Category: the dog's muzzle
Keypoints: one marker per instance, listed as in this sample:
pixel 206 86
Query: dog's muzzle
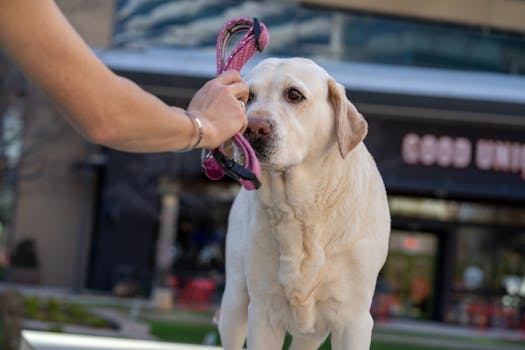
pixel 260 134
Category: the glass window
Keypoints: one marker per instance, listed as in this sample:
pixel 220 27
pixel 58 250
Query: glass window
pixel 406 283
pixel 296 30
pixel 456 211
pixel 488 283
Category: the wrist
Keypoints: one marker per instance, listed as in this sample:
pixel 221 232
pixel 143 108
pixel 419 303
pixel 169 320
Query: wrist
pixel 198 131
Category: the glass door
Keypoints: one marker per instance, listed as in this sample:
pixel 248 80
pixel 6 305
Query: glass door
pixel 406 284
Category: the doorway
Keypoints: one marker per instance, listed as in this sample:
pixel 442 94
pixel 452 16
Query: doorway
pixel 407 285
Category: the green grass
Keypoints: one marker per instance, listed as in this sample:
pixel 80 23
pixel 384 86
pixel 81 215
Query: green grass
pixel 195 334
pixel 181 332
pixel 59 312
pixel 2 341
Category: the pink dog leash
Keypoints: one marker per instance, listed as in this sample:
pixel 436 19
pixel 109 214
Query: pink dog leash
pixel 215 162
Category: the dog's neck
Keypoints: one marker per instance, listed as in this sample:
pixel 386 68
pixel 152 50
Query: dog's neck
pixel 311 187
pixel 305 199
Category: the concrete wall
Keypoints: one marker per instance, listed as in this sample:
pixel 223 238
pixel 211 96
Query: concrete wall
pixel 93 19
pixel 499 14
pixel 54 199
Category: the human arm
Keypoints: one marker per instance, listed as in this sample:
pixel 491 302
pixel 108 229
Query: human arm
pixel 105 108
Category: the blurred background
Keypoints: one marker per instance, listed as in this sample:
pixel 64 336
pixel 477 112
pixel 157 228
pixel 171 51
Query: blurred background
pixel 141 236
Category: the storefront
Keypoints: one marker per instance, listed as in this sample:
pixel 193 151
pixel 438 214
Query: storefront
pixel 453 159
pixel 457 198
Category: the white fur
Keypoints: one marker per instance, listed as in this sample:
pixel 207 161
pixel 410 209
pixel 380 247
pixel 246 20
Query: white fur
pixel 303 252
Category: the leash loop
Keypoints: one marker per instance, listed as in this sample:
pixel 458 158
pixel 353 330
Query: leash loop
pixel 215 162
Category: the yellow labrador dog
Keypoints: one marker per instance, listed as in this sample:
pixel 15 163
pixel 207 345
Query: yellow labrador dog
pixel 303 252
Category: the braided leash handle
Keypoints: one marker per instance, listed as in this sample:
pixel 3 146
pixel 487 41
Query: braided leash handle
pixel 255 40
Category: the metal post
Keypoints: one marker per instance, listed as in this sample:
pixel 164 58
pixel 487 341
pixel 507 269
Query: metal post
pixel 162 295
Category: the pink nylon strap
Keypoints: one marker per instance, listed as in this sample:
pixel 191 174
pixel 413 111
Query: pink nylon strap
pixel 245 49
pixel 255 39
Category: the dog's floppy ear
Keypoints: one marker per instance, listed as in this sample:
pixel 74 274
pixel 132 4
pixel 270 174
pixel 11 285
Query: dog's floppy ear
pixel 350 126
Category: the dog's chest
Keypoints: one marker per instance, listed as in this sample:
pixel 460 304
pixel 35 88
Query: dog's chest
pixel 301 259
pixel 296 224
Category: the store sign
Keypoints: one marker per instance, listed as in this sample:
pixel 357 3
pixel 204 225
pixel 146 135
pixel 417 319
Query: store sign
pixel 463 161
pixel 459 152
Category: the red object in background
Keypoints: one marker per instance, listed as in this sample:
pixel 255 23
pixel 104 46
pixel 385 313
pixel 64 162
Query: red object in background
pixel 419 290
pixel 481 314
pixel 411 244
pixel 4 257
pixel 198 292
pixel 173 281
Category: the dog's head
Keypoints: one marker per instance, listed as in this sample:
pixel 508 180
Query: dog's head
pixel 297 111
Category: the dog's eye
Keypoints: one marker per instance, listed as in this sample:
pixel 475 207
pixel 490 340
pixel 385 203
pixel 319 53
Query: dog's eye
pixel 251 97
pixel 294 96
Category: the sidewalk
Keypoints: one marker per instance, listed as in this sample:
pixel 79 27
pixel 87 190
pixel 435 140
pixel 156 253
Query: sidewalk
pixel 440 335
pixel 437 328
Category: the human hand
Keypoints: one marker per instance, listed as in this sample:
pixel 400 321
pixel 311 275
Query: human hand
pixel 217 105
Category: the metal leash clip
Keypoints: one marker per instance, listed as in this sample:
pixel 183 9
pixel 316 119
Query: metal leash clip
pixel 234 169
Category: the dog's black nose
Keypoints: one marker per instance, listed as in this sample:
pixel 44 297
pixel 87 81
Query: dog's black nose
pixel 258 129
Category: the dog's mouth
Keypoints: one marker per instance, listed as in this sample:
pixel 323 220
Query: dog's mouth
pixel 262 148
pixel 266 152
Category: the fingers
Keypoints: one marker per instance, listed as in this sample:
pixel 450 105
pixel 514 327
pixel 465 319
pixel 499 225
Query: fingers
pixel 229 77
pixel 235 84
pixel 240 91
pixel 244 122
pixel 218 104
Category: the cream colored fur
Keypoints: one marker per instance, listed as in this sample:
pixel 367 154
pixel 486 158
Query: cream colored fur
pixel 303 252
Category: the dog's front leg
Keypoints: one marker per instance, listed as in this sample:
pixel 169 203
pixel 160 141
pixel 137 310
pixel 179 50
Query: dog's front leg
pixel 356 335
pixel 262 334
pixel 352 329
pixel 233 318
